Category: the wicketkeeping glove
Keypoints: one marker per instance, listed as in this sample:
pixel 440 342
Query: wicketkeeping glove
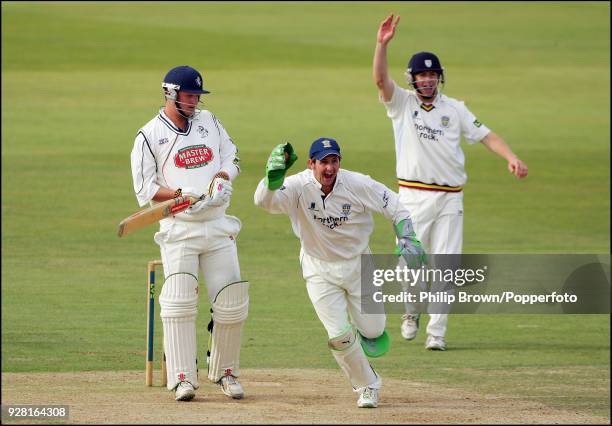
pixel 281 158
pixel 408 245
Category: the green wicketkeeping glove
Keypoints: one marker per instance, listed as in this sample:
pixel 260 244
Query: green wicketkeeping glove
pixel 281 158
pixel 408 245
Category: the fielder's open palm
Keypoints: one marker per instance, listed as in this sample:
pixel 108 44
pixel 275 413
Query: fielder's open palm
pixel 387 29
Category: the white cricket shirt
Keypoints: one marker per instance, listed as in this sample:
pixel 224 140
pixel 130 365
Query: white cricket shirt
pixel 165 156
pixel 427 140
pixel 336 227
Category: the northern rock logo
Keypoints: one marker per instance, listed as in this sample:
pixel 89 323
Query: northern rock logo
pixel 193 156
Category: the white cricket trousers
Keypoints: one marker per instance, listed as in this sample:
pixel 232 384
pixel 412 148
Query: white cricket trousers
pixel 207 247
pixel 334 289
pixel 437 218
pixel 188 248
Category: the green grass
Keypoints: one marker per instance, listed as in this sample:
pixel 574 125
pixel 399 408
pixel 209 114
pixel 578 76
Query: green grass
pixel 78 79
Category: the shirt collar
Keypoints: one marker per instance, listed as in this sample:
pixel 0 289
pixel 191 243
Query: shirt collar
pixel 170 123
pixel 435 102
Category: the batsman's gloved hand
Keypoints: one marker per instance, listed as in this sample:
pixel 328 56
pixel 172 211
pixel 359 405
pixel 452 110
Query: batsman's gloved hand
pixel 220 191
pixel 408 245
pixel 281 158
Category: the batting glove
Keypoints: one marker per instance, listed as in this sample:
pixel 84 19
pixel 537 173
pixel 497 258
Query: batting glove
pixel 220 191
pixel 281 158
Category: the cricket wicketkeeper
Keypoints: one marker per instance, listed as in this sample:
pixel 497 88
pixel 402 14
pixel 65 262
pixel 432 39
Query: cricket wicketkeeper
pixel 331 213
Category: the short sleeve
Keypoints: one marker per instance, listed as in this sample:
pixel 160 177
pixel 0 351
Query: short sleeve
pixel 396 103
pixel 472 130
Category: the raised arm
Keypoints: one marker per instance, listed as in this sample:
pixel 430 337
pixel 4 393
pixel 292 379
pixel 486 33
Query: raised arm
pixel 271 195
pixel 380 68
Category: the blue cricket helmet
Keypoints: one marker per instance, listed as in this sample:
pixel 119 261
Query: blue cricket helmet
pixel 183 79
pixel 424 61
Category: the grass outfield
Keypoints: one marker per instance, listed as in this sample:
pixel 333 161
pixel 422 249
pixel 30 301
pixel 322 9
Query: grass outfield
pixel 78 79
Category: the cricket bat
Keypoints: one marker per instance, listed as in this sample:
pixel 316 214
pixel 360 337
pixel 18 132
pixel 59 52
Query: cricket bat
pixel 154 214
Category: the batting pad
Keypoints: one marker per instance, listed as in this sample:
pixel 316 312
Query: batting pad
pixel 179 301
pixel 229 311
pixel 352 360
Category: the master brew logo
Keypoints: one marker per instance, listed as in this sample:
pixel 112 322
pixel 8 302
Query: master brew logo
pixel 193 157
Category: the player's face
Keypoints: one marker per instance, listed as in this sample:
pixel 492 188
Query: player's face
pixel 426 83
pixel 325 171
pixel 188 102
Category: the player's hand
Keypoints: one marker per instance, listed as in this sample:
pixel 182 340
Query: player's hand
pixel 412 251
pixel 219 192
pixel 518 168
pixel 387 30
pixel 408 245
pixel 280 160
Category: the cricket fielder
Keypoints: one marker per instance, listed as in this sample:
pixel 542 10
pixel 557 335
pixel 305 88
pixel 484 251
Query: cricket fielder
pixel 331 213
pixel 187 150
pixel 427 127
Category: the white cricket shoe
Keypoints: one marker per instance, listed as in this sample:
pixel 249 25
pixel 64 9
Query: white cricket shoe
pixel 184 392
pixel 410 326
pixel 435 343
pixel 368 398
pixel 231 387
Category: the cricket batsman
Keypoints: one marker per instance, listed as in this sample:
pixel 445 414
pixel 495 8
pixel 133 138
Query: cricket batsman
pixel 331 213
pixel 186 150
pixel 427 127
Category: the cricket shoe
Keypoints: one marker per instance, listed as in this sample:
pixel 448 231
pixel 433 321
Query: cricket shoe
pixel 435 343
pixel 368 398
pixel 184 392
pixel 410 326
pixel 231 387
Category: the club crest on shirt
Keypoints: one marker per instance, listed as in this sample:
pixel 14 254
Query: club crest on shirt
pixel 193 156
pixel 202 131
pixel 444 121
pixel 346 209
